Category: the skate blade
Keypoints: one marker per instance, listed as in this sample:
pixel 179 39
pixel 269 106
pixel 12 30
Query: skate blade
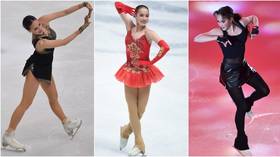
pixel 139 154
pixel 76 130
pixel 142 154
pixel 9 148
pixel 244 152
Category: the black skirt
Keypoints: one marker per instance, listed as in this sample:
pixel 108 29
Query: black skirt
pixel 40 65
pixel 234 74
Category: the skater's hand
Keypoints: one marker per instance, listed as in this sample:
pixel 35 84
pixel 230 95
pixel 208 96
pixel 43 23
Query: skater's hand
pixel 86 19
pixel 89 6
pixel 85 25
pixel 255 31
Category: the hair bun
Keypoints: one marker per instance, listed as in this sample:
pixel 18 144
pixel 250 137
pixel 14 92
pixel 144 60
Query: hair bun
pixel 27 21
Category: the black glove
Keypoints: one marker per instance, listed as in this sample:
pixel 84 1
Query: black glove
pixel 255 30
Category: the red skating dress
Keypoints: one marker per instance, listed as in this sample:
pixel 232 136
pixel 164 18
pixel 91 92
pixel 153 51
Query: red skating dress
pixel 131 73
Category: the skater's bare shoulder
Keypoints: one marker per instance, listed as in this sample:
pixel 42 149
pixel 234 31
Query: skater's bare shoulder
pixel 152 35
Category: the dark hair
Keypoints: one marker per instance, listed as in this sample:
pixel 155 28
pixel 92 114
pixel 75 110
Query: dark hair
pixel 27 21
pixel 139 7
pixel 227 12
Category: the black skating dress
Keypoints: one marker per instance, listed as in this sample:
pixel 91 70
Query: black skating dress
pixel 235 71
pixel 40 63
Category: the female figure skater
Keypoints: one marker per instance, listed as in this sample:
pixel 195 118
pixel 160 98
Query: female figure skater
pixel 139 71
pixel 38 71
pixel 231 36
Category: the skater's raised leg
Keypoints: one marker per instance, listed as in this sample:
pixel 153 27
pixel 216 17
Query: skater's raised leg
pixel 71 126
pixel 51 92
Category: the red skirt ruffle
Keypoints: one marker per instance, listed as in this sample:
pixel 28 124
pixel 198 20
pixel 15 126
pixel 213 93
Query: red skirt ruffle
pixel 138 77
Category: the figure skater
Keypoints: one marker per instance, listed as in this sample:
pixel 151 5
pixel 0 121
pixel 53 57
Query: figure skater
pixel 231 35
pixel 139 72
pixel 38 71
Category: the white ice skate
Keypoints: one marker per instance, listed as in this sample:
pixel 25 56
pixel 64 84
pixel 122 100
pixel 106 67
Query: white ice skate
pixel 250 114
pixel 8 139
pixel 123 141
pixel 135 151
pixel 246 152
pixel 71 127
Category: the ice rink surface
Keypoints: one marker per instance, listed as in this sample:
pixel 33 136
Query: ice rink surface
pixel 164 125
pixel 72 71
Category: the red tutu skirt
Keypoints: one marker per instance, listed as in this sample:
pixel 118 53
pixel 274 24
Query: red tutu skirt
pixel 138 77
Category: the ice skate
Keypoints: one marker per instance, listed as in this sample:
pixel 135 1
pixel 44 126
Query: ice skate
pixel 125 131
pixel 249 104
pixel 71 127
pixel 138 149
pixel 135 151
pixel 8 140
pixel 123 142
pixel 246 152
pixel 250 114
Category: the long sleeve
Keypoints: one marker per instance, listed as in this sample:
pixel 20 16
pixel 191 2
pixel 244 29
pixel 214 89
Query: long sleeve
pixel 163 50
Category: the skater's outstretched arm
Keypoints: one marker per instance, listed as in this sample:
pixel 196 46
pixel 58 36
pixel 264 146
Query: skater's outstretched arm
pixel 211 35
pixel 125 12
pixel 52 16
pixel 45 43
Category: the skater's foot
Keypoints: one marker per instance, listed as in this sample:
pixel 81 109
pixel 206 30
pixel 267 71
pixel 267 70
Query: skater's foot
pixel 250 114
pixel 138 149
pixel 249 104
pixel 125 131
pixel 8 139
pixel 123 140
pixel 246 152
pixel 135 151
pixel 71 127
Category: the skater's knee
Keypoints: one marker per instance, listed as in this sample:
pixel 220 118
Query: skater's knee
pixel 141 107
pixel 133 115
pixel 24 105
pixel 140 112
pixel 139 115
